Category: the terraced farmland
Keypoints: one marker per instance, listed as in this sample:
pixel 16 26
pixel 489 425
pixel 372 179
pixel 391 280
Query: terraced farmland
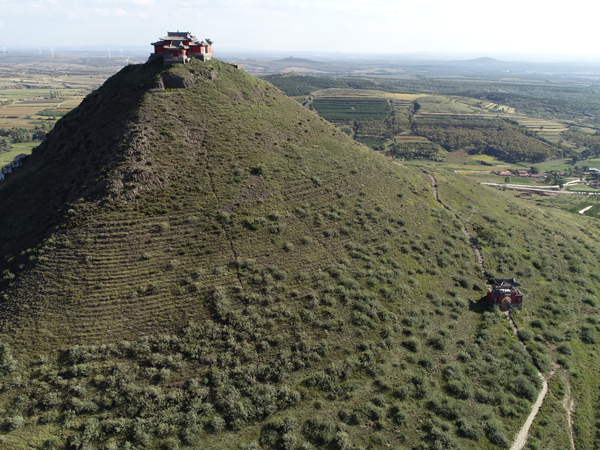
pixel 340 109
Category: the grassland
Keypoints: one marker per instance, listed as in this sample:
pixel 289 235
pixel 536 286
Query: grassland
pixel 218 267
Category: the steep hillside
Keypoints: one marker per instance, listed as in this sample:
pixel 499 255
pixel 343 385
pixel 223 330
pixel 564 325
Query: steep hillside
pixel 195 260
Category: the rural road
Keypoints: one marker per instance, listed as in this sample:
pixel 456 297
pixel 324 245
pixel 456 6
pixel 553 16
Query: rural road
pixel 538 190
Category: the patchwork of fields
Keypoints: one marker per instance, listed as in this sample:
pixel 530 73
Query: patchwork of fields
pixel 336 109
pixel 35 93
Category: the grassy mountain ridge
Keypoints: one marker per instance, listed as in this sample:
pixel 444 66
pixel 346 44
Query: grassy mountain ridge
pixel 228 270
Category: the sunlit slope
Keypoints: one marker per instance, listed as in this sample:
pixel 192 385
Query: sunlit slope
pixel 197 261
pixel 555 256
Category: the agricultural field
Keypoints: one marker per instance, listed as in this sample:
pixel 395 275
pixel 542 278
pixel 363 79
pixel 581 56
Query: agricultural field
pixel 410 139
pixel 436 104
pixel 36 93
pixel 365 93
pixel 18 149
pixel 498 108
pixel 340 109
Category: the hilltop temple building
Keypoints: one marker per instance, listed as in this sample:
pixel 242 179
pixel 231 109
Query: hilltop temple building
pixel 180 47
pixel 505 294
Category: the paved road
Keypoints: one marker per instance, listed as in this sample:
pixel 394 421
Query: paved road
pixel 516 188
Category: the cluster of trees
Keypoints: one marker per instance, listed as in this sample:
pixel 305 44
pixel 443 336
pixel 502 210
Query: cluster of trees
pixel 555 179
pixel 394 124
pixel 305 85
pixel 415 151
pixel 562 103
pixel 589 142
pixel 9 136
pixel 491 137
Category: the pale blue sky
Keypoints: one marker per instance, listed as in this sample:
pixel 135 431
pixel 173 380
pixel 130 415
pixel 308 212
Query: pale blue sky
pixel 381 26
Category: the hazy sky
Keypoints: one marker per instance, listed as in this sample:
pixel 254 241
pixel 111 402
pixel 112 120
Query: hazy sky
pixel 381 26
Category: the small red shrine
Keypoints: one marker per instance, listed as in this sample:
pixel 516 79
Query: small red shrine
pixel 505 294
pixel 180 47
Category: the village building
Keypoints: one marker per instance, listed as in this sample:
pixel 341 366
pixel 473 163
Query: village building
pixel 180 47
pixel 505 294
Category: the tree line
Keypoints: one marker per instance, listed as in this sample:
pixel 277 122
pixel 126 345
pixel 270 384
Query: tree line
pixel 9 136
pixel 483 136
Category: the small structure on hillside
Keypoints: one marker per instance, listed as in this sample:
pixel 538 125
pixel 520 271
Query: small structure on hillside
pixel 505 294
pixel 180 47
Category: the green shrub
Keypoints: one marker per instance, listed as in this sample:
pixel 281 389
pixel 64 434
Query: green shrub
pixel 330 233
pixel 342 441
pixel 538 323
pixel 588 335
pixel 565 349
pixel 12 423
pixel 526 335
pixel 524 387
pixel 288 441
pixel 215 425
pixel 468 430
pixel 494 432
pixel 412 344
pixel 460 388
pixel 553 335
pixel 541 361
pixel 464 282
pixel 260 169
pixel 319 431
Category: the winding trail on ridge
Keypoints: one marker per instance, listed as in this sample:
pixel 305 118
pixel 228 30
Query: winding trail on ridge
pixel 521 437
pixel 569 405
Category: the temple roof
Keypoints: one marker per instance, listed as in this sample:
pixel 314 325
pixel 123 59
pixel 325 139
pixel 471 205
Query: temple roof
pixel 507 282
pixel 177 45
pixel 177 38
pixel 179 34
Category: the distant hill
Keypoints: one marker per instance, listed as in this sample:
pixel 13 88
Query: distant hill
pixel 292 59
pixel 483 60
